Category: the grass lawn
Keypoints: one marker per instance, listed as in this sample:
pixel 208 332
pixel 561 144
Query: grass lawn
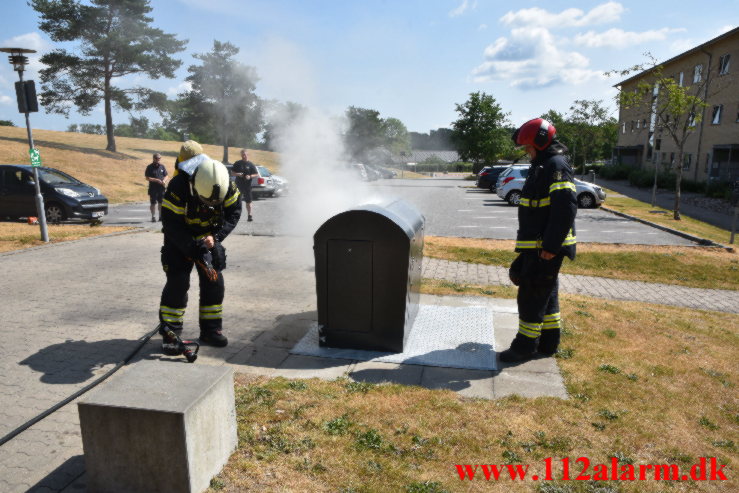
pixel 19 235
pixel 120 176
pixel 648 384
pixel 699 267
pixel 688 225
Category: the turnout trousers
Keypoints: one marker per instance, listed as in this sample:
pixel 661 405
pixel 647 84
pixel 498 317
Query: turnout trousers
pixel 174 295
pixel 538 301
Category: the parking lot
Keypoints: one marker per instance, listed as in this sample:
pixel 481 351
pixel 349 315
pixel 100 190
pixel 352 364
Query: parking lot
pixel 452 207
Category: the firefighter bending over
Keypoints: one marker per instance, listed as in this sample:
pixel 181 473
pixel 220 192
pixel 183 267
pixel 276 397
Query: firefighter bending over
pixel 546 234
pixel 201 207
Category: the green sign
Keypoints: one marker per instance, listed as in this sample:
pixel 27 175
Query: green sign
pixel 35 157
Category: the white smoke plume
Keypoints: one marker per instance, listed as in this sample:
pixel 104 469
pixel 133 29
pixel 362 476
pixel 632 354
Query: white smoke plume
pixel 315 162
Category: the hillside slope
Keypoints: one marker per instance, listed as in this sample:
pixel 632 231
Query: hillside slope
pixel 120 176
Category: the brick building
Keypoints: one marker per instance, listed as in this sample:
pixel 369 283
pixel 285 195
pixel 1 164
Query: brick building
pixel 711 151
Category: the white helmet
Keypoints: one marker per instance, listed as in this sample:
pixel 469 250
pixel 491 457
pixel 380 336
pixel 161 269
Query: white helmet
pixel 210 182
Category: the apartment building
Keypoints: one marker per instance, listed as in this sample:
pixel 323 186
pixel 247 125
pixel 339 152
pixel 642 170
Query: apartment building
pixel 711 151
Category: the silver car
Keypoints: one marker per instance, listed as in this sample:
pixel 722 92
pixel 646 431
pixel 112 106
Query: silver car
pixel 588 194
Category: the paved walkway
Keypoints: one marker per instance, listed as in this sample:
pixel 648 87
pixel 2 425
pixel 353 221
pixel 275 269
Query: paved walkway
pixel 601 287
pixel 666 200
pixel 77 308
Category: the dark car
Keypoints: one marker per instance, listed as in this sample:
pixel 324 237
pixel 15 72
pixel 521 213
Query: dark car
pixel 488 176
pixel 65 197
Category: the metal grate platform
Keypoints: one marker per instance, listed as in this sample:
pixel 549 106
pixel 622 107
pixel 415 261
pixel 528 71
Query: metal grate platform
pixel 448 336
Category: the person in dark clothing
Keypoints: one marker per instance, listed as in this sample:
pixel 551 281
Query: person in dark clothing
pixel 546 234
pixel 156 175
pixel 244 170
pixel 200 209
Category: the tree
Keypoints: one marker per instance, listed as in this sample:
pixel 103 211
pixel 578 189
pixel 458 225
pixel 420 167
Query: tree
pixel 589 122
pixel 366 131
pixel 116 40
pixel 674 109
pixel 6 123
pixel 396 136
pixel 480 133
pixel 223 90
pixel 279 116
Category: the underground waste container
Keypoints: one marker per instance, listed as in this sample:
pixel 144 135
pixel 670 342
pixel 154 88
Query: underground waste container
pixel 368 276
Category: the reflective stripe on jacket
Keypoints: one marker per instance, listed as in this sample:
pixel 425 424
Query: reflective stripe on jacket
pixel 546 212
pixel 185 219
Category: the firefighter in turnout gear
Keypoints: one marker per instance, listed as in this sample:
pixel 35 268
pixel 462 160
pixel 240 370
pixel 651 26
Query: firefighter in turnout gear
pixel 201 207
pixel 546 234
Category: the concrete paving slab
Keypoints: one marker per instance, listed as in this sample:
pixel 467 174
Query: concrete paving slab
pixel 261 360
pixel 528 384
pixel 468 383
pixel 299 366
pixel 379 372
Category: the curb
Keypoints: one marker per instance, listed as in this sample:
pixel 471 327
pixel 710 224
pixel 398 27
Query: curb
pixel 54 244
pixel 697 239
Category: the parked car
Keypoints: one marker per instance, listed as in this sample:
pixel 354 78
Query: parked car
pixel 510 173
pixel 588 194
pixel 65 197
pixel 372 172
pixel 488 177
pixel 360 170
pixel 261 186
pixel 281 185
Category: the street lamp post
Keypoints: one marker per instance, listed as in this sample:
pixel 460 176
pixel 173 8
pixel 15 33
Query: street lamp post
pixel 19 60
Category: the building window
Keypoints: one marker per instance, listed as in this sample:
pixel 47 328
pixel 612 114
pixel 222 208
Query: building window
pixel 680 79
pixel 658 144
pixel 672 159
pixel 737 113
pixel 708 160
pixel 716 117
pixel 687 159
pixel 632 126
pixel 697 73
pixel 723 64
pixel 691 120
pixel 638 124
pixel 623 127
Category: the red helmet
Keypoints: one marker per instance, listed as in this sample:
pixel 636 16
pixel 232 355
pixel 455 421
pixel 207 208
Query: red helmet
pixel 537 132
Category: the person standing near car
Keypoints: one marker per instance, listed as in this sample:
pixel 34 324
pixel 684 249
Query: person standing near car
pixel 201 208
pixel 156 175
pixel 546 234
pixel 244 170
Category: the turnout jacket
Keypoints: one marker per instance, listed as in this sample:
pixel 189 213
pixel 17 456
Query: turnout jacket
pixel 546 213
pixel 186 220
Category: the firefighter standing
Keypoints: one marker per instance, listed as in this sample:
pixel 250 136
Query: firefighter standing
pixel 546 234
pixel 201 207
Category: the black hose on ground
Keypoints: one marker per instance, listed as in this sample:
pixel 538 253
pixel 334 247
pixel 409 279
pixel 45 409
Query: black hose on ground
pixel 72 397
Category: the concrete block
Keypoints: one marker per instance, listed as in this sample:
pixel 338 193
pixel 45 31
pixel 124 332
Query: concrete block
pixel 159 427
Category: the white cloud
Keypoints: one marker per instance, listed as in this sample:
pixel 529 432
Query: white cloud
pixel 618 38
pixel 463 7
pixel 31 41
pixel 725 29
pixel 535 16
pixel 530 59
pixel 482 27
pixel 6 99
pixel 183 86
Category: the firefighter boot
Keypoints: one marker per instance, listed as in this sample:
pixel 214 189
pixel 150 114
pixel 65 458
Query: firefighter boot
pixel 549 342
pixel 213 338
pixel 522 349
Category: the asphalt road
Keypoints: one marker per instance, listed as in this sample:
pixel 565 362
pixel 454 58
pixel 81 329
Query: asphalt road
pixel 452 207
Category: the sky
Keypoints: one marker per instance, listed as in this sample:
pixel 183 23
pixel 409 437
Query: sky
pixel 408 59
